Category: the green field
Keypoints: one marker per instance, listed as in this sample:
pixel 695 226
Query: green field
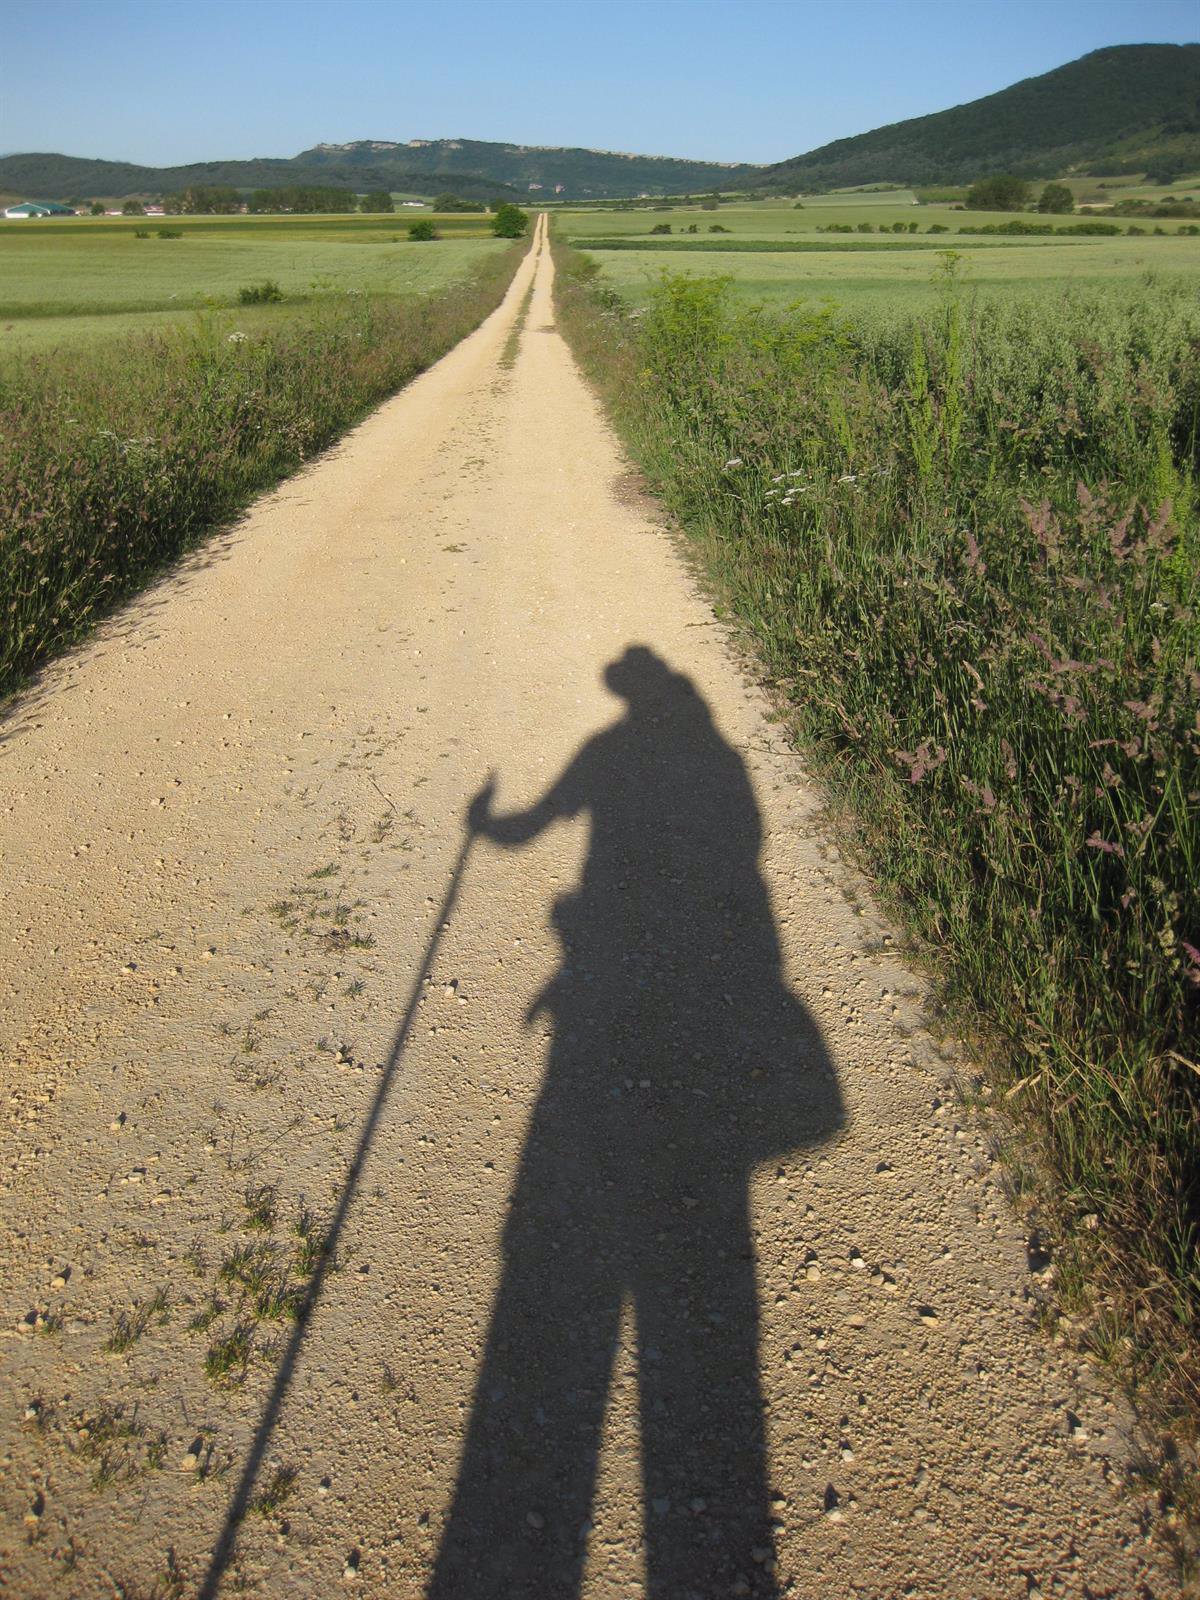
pixel 70 283
pixel 870 270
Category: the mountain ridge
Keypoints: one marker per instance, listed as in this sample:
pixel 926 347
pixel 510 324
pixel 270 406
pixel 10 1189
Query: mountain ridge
pixel 476 169
pixel 1119 108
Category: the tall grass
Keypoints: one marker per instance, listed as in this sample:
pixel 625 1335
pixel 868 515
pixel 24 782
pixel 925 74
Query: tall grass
pixel 114 460
pixel 967 546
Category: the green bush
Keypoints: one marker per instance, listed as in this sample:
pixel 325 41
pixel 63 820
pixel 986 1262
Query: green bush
pixel 661 227
pixel 510 222
pixel 1056 198
pixel 1002 192
pixel 170 233
pixel 423 229
pixel 260 294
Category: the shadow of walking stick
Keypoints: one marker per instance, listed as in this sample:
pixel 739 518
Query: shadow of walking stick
pixel 223 1549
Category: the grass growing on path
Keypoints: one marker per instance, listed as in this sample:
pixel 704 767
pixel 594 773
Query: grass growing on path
pixel 967 546
pixel 115 459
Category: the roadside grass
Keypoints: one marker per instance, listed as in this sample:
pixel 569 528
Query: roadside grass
pixel 117 458
pixel 966 546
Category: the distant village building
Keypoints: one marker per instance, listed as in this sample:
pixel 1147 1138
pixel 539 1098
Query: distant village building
pixel 38 208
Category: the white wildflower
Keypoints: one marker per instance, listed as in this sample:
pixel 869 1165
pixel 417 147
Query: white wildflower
pixel 237 338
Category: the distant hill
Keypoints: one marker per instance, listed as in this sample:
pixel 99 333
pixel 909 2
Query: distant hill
pixel 1127 108
pixel 471 168
pixel 579 172
pixel 55 176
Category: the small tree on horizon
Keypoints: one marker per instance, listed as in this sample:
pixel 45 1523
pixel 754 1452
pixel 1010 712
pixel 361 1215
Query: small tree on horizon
pixel 510 222
pixel 1001 192
pixel 1057 199
pixel 377 200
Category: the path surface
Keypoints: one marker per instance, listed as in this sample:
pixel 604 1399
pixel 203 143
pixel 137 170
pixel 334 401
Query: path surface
pixel 668 1185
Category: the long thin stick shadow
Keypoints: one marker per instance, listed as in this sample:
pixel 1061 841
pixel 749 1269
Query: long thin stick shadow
pixel 223 1549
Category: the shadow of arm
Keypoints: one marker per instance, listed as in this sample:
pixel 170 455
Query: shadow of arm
pixel 565 799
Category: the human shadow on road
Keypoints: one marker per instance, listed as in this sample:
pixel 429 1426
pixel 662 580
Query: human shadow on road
pixel 680 1061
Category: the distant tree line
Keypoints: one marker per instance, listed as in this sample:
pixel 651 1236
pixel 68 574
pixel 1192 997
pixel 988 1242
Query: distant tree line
pixel 218 199
pixel 1004 192
pixel 305 199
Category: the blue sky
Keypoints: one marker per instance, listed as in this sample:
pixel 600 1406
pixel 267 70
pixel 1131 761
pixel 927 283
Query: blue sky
pixel 161 81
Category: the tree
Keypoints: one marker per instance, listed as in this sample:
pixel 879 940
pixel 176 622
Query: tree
pixel 377 200
pixel 97 208
pixel 510 222
pixel 710 204
pixel 423 228
pixel 454 202
pixel 1056 198
pixel 133 208
pixel 1002 192
pixel 205 199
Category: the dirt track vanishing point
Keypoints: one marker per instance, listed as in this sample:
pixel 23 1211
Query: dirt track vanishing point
pixel 672 1264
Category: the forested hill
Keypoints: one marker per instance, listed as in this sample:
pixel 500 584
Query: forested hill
pixel 1126 108
pixel 471 168
pixel 53 177
pixel 579 172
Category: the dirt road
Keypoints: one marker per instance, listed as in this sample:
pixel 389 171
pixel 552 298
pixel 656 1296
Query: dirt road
pixel 665 1260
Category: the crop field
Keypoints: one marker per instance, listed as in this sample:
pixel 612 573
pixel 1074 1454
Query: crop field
pixel 69 283
pixel 778 254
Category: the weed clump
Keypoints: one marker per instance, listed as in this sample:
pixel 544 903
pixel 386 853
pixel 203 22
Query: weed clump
pixel 266 293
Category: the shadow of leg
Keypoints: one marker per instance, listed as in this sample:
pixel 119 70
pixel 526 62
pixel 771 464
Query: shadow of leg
pixel 518 1524
pixel 708 1519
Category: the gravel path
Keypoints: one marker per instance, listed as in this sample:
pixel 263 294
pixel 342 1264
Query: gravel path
pixel 665 1260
